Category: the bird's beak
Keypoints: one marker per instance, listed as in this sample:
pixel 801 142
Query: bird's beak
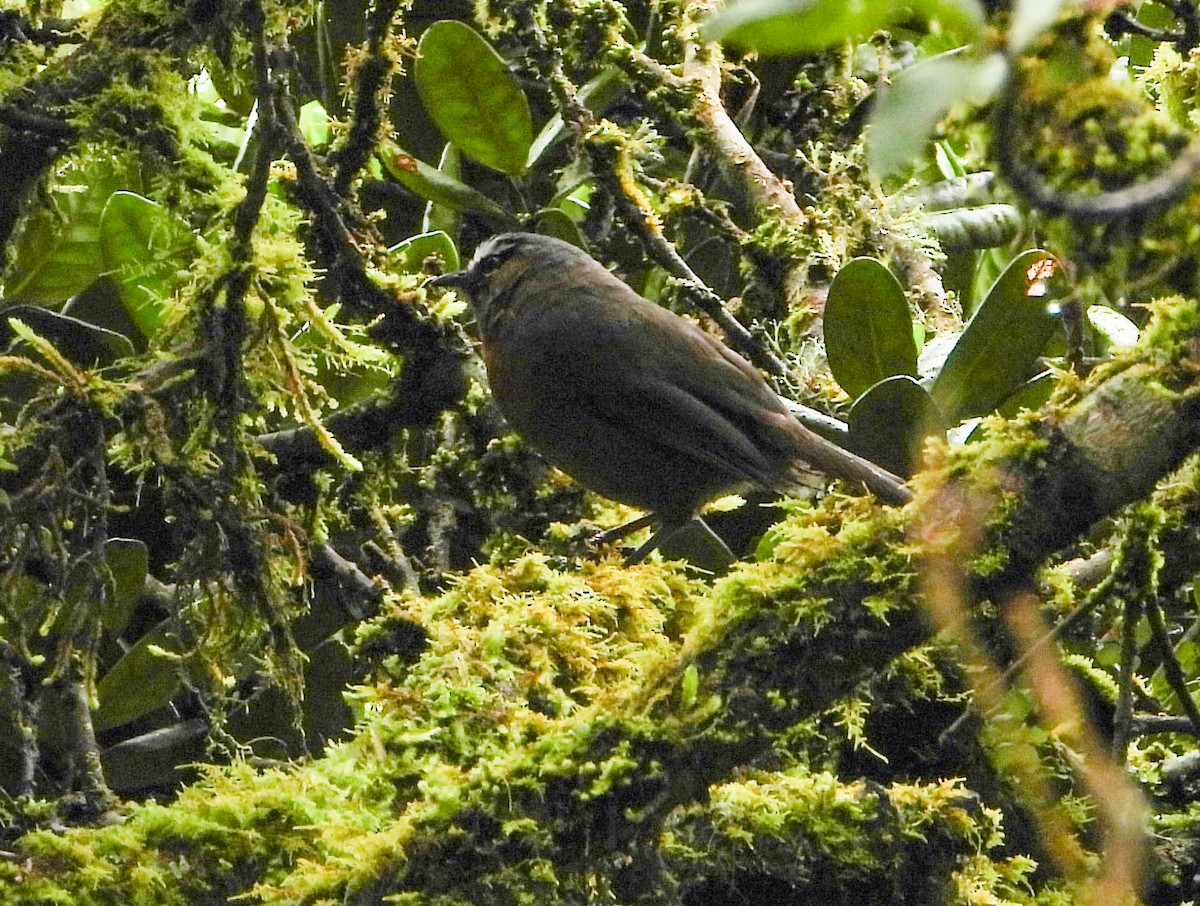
pixel 454 280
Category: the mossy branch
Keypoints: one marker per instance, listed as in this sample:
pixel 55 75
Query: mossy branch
pixel 786 639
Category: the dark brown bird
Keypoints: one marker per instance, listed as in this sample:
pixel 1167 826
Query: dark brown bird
pixel 627 397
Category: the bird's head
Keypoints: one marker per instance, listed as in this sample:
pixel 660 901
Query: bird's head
pixel 505 260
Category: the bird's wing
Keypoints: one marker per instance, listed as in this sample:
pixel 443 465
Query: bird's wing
pixel 649 373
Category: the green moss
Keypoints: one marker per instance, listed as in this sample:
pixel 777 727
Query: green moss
pixel 831 837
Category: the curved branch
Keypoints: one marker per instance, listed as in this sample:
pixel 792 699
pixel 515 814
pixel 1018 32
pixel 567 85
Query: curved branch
pixel 1138 200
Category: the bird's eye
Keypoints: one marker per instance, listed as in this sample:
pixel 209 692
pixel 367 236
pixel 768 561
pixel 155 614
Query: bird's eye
pixel 488 263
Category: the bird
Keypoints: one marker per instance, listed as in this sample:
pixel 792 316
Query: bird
pixel 630 399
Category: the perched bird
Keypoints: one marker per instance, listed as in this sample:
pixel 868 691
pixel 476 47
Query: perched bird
pixel 627 397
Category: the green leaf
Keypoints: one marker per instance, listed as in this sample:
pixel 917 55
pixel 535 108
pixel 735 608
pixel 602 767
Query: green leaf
pixel 102 304
pixel 140 242
pixel 145 678
pixel 557 223
pixel 1141 47
pixel 965 17
pixel 314 124
pixel 1113 328
pixel 919 97
pixel 413 251
pixel 949 194
pixel 128 563
pixel 440 216
pixel 1033 394
pixel 433 185
pixel 789 27
pixel 999 348
pixel 471 95
pixel 868 329
pixel 157 760
pixel 767 545
pixel 234 84
pixel 889 423
pixel 55 252
pixel 976 228
pixel 84 344
pixel 949 163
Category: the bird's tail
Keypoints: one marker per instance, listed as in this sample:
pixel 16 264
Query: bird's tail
pixel 828 458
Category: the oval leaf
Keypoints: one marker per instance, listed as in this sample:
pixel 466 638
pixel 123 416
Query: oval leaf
pixel 984 227
pixel 413 251
pixel 998 350
pixel 956 192
pixel 1033 394
pixel 471 95
pixel 139 243
pixel 128 563
pixel 889 423
pixel 142 680
pixel 868 330
pixel 314 124
pixel 102 304
pixel 54 252
pixel 433 185
pixel 1112 327
pixel 785 27
pixel 83 343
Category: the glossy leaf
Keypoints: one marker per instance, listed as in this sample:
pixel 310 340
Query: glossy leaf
pixel 889 423
pixel 87 345
pixel 433 185
pixel 128 563
pixel 868 329
pixel 1112 327
pixel 413 251
pixel 314 124
pixel 976 228
pixel 139 242
pixel 1033 394
pixel 998 350
pixel 102 304
pixel 787 27
pixel 160 759
pixel 55 252
pixel 145 678
pixel 471 95
pixel 955 192
pixel 919 97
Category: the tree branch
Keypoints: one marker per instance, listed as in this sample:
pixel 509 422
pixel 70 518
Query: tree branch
pixel 789 639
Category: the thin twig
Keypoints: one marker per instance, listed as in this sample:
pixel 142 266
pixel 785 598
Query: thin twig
pixel 373 74
pixel 1171 666
pixel 1122 722
pixel 1149 724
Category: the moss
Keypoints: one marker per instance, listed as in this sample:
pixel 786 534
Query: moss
pixel 837 840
